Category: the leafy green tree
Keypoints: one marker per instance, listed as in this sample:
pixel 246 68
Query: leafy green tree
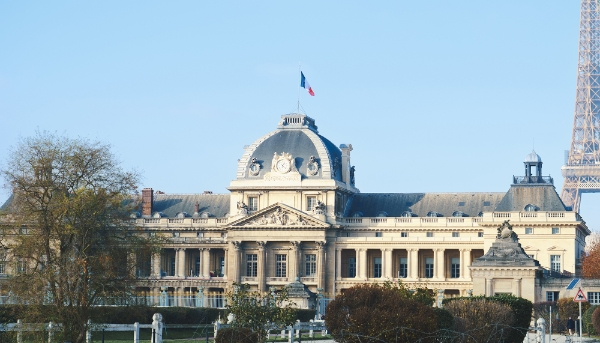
pixel 68 231
pixel 260 311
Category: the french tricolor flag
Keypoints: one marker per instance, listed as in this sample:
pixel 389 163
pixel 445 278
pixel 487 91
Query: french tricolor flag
pixel 304 84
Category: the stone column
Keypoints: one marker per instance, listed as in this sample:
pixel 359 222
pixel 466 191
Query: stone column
pixel 338 263
pixel 362 260
pixel 206 262
pixel 413 263
pixel 201 267
pixel 439 264
pixel 156 265
pixel 357 270
pixel 517 290
pixel 463 267
pixel 180 258
pixel 237 251
pixel 294 260
pixel 226 267
pixel 262 272
pixel 488 287
pixel 388 263
pixel 467 263
pixel 321 264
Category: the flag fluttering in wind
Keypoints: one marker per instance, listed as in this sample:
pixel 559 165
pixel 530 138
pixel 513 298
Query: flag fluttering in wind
pixel 304 84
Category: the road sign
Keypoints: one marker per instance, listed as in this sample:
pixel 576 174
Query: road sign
pixel 572 284
pixel 580 297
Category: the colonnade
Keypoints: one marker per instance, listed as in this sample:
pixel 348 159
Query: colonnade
pixel 415 263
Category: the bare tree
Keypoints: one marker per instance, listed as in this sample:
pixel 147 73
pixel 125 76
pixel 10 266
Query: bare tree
pixel 68 229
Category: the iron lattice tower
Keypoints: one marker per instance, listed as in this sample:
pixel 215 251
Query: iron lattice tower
pixel 582 171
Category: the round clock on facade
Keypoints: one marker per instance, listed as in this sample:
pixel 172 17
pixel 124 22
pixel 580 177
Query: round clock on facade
pixel 283 166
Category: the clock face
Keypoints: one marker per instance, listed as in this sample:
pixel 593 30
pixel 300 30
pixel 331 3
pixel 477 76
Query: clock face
pixel 283 166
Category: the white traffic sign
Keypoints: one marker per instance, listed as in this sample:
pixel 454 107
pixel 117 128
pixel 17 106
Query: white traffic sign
pixel 580 297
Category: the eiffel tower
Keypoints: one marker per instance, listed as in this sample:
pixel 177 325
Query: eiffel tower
pixel 582 171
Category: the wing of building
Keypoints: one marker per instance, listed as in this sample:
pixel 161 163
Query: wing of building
pixel 294 213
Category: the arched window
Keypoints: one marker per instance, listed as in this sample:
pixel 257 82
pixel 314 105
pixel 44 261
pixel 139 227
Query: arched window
pixel 531 208
pixel 382 214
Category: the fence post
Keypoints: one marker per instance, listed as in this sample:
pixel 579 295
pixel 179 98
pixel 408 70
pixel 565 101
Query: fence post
pixel 157 326
pixel 291 334
pixel 88 333
pixel 311 332
pixel 541 333
pixel 136 332
pixel 19 331
pixel 216 329
pixel 50 332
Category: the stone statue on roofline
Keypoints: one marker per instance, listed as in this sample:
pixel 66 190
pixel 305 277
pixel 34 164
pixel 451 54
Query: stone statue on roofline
pixel 506 233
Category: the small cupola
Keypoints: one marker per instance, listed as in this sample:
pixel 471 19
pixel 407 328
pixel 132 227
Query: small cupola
pixel 533 169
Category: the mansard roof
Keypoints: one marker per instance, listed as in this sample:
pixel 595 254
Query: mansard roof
pixel 296 135
pixel 171 204
pixel 542 196
pixel 395 204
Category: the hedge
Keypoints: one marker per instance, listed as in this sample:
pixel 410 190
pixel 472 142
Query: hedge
pixel 236 335
pixel 522 309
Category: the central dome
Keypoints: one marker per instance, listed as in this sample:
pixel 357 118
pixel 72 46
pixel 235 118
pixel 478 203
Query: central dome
pixel 297 136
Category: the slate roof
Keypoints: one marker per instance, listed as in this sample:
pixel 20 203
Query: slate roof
pixel 300 146
pixel 171 204
pixel 543 196
pixel 394 204
pixel 6 203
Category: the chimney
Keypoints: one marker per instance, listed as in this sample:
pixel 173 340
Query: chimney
pixel 147 202
pixel 197 208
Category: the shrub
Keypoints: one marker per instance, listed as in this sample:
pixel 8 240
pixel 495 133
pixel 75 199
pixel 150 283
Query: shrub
pixel 596 319
pixel 588 326
pixel 568 308
pixel 375 313
pixel 481 320
pixel 236 335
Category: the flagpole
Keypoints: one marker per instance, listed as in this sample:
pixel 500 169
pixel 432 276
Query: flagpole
pixel 300 70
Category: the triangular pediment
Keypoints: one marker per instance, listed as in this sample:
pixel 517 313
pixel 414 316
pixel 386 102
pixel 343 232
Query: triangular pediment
pixel 279 216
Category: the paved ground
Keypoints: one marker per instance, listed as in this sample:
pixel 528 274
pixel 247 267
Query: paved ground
pixel 556 338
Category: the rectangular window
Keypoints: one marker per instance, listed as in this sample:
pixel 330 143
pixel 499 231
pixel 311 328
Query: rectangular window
pixel 199 234
pixel 222 264
pixel 555 231
pixel 555 263
pixel 429 267
pixel 2 267
pixel 310 264
pixel 280 265
pixel 311 202
pixel 594 298
pixel 377 267
pixel 479 234
pixel 21 266
pixel 252 203
pixel 528 231
pixel 429 234
pixel 461 203
pixel 251 265
pixel 377 234
pixel 403 234
pixel 455 267
pixel 403 270
pixel 486 203
pixel 552 296
pixel 454 234
pixel 352 267
pixel 172 266
pixel 197 266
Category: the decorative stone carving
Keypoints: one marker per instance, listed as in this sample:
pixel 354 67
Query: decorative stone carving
pixel 313 166
pixel 335 166
pixel 278 217
pixel 321 245
pixel 254 167
pixel 352 170
pixel 319 208
pixel 505 251
pixel 506 233
pixel 282 163
pixel 242 208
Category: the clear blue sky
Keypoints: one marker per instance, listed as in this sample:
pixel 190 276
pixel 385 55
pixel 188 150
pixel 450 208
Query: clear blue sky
pixel 434 96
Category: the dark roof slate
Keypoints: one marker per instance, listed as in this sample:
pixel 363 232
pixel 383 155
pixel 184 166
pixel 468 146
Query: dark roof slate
pixel 171 204
pixel 543 196
pixel 394 204
pixel 6 203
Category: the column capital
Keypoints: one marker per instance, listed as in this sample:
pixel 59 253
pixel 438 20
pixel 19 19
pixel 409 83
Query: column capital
pixel 295 245
pixel 321 245
pixel 237 245
pixel 261 245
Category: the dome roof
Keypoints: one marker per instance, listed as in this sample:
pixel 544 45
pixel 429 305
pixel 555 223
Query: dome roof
pixel 297 136
pixel 533 157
